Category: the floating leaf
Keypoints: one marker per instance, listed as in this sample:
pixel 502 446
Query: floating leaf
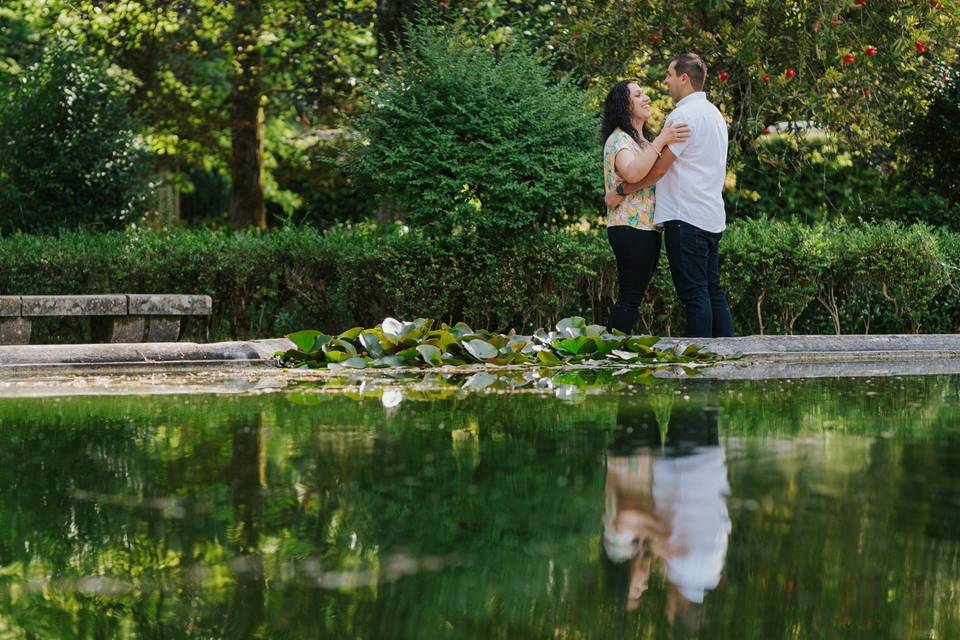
pixel 371 343
pixel 460 329
pixel 549 358
pixel 338 356
pixel 351 334
pixel 392 328
pixel 357 362
pixel 692 350
pixel 444 337
pixel 337 345
pixel 430 354
pixel 479 349
pixel 541 336
pixel 578 346
pixel 452 360
pixel 595 330
pixel 572 327
pixel 409 354
pixel 304 339
pixel 389 361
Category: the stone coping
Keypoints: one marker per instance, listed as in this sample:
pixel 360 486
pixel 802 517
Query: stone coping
pixel 40 355
pixel 820 347
pixel 779 352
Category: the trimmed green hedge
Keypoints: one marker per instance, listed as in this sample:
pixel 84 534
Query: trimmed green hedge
pixel 785 277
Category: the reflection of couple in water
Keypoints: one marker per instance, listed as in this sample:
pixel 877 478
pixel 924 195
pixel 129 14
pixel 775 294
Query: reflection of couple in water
pixel 665 501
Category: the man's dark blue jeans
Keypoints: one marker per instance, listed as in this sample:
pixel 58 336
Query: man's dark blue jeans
pixel 695 266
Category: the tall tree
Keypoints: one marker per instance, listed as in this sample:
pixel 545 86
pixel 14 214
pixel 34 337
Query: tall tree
pixel 247 117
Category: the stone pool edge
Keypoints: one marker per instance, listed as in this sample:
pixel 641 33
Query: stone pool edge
pixel 776 351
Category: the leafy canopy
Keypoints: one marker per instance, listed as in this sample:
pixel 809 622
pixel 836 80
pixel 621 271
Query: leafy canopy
pixel 68 156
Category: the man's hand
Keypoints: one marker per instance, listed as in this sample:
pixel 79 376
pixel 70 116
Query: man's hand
pixel 612 199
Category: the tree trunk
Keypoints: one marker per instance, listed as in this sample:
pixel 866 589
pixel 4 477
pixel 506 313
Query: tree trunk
pixel 245 615
pixel 246 118
pixel 389 23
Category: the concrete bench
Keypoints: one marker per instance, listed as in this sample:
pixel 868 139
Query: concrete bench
pixel 115 318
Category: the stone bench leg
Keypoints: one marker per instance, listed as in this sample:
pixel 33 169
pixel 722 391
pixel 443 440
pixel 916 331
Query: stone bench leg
pixel 163 328
pixel 119 328
pixel 15 330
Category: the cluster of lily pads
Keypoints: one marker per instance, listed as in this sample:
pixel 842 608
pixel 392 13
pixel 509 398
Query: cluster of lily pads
pixel 422 343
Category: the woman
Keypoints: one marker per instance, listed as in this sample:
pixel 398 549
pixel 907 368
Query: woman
pixel 628 155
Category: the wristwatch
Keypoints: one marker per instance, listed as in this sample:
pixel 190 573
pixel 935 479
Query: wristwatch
pixel 620 190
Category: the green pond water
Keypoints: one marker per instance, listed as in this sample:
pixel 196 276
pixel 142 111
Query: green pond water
pixel 825 508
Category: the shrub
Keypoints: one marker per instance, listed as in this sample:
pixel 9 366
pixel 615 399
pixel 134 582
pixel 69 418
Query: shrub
pixel 67 153
pixel 785 277
pixel 462 137
pixel 810 178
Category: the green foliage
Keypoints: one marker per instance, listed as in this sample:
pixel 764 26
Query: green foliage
pixel 393 343
pixel 780 277
pixel 462 137
pixel 935 142
pixel 807 177
pixel 68 153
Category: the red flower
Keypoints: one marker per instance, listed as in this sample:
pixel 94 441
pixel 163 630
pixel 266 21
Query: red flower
pixel 766 131
pixel 816 27
pixel 871 51
pixel 920 47
pixel 859 3
pixel 724 76
pixel 655 38
pixel 790 73
pixel 849 58
pixel 765 79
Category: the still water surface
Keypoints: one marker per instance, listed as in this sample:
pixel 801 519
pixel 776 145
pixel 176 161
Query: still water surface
pixel 777 509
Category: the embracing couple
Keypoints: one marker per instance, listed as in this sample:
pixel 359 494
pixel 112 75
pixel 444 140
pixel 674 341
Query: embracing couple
pixel 688 164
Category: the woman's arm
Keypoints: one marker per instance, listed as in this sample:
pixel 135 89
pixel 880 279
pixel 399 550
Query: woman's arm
pixel 635 168
pixel 672 132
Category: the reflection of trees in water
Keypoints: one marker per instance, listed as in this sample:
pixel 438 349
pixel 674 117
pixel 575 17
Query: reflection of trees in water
pixel 174 493
pixel 245 615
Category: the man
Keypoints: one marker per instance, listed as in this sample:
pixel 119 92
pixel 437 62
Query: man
pixel 689 177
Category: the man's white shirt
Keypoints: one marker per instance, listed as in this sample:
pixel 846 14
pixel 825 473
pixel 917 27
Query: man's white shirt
pixel 690 493
pixel 692 189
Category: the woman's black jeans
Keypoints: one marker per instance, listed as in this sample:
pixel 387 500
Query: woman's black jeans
pixel 637 253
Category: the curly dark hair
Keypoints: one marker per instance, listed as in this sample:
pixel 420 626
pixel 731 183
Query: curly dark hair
pixel 616 113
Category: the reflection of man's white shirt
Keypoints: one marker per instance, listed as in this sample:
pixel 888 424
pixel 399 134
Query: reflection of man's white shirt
pixel 690 493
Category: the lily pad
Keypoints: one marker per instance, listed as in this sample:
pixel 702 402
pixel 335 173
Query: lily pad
pixel 305 340
pixel 351 334
pixel 480 349
pixel 549 358
pixel 430 354
pixel 578 346
pixel 371 343
pixel 392 328
pixel 572 327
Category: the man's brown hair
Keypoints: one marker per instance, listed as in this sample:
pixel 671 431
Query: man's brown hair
pixel 693 66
